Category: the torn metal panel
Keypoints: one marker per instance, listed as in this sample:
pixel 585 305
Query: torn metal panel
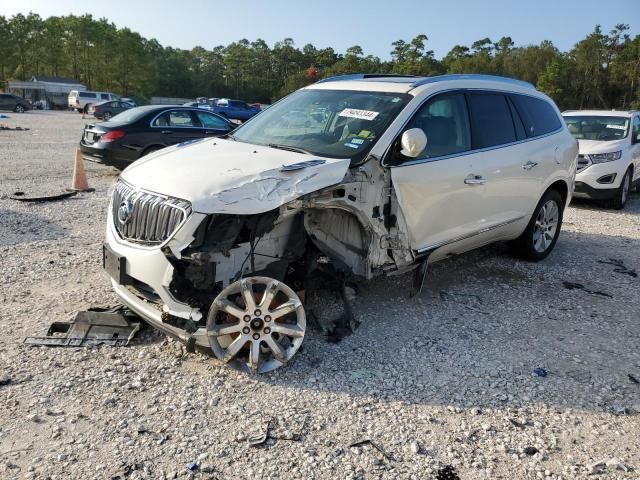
pixel 90 328
pixel 224 176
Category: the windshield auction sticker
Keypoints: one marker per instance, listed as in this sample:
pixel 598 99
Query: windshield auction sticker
pixel 359 114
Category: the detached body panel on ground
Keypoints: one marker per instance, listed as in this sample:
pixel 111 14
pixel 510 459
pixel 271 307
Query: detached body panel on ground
pixel 350 179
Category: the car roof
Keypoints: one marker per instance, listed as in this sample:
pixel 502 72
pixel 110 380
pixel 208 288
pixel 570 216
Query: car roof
pixel 598 113
pixel 413 84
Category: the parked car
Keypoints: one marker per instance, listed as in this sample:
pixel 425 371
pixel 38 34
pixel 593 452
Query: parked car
pixel 130 101
pixel 17 104
pixel 209 242
pixel 141 130
pixel 235 109
pixel 108 109
pixel 609 154
pixel 81 101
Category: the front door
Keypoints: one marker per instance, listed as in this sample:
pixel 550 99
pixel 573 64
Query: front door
pixel 439 198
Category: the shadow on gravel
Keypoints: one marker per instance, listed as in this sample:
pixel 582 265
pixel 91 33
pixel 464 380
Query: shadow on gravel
pixel 19 228
pixel 484 322
pixel 632 206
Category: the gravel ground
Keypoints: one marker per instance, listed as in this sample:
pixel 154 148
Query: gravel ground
pixel 442 380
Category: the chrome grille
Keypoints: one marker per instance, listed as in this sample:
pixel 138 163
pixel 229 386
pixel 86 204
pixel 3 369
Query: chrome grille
pixel 146 218
pixel 583 162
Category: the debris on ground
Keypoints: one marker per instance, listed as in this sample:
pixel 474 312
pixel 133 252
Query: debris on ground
pixel 259 439
pixel 620 267
pixel 447 473
pixel 98 326
pixel 368 441
pixel 16 129
pixel 579 286
pixel 50 198
pixel 530 451
pixel 540 372
pixel 467 300
pixel 633 379
pixel 5 381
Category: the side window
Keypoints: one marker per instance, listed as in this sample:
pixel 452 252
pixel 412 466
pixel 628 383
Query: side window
pixel 491 122
pixel 174 118
pixel 104 96
pixel 211 121
pixel 538 115
pixel 445 121
pixel 635 130
pixel 87 95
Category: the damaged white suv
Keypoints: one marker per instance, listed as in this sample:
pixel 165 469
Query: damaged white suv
pixel 213 241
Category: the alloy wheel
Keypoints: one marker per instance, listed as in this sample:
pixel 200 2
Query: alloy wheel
pixel 546 226
pixel 256 324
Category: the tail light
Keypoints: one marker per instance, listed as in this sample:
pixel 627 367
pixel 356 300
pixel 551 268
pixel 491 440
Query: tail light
pixel 111 136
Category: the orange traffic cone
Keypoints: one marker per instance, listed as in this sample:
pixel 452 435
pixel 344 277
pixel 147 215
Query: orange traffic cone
pixel 79 181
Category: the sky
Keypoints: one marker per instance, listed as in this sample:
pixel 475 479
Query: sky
pixel 372 24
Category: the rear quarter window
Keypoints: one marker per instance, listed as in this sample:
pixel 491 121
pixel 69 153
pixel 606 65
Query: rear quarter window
pixel 87 95
pixel 538 115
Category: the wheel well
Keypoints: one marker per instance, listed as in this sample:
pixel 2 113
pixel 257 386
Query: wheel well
pixel 151 148
pixel 561 187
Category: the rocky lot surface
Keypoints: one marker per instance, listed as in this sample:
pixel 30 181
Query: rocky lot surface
pixel 442 383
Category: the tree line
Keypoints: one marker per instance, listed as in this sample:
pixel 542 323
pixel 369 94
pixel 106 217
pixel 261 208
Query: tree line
pixel 600 71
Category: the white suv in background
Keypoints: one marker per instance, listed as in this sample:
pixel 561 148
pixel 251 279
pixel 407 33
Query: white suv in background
pixel 212 240
pixel 82 100
pixel 609 153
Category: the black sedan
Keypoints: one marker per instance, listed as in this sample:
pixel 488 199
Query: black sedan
pixel 108 109
pixel 142 130
pixel 12 102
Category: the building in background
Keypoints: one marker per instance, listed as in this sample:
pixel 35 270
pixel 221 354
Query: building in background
pixel 49 92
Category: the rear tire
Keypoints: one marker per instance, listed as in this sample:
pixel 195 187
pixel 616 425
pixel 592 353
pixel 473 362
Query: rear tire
pixel 539 238
pixel 622 195
pixel 86 108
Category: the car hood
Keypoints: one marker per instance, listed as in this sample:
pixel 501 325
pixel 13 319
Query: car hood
pixel 225 176
pixel 587 147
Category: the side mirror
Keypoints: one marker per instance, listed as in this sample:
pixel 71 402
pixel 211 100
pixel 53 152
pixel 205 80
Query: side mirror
pixel 413 142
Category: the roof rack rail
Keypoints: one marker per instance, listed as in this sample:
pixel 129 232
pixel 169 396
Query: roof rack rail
pixel 363 76
pixel 470 76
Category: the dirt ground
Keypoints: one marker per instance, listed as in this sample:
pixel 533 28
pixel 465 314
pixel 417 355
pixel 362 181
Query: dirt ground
pixel 440 383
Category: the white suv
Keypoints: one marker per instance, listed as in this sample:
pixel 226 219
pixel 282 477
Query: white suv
pixel 82 100
pixel 212 240
pixel 609 153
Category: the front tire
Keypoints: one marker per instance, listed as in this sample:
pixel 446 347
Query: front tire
pixel 541 234
pixel 107 116
pixel 19 109
pixel 622 195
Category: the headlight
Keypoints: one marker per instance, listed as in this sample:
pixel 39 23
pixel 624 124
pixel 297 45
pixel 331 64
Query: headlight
pixel 605 157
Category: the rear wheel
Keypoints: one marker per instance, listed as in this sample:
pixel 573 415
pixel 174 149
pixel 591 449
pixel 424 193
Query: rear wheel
pixel 86 108
pixel 541 234
pixel 620 200
pixel 19 109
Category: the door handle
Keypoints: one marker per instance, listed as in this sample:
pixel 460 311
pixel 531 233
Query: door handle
pixel 529 165
pixel 166 132
pixel 475 180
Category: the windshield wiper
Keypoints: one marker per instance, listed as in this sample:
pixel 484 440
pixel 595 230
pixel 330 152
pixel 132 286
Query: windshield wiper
pixel 289 148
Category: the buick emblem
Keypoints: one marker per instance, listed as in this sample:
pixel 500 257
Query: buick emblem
pixel 124 212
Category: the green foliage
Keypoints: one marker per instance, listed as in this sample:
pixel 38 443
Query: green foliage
pixel 601 71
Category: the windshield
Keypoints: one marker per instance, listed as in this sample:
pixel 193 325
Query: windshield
pixel 130 115
pixel 598 127
pixel 330 123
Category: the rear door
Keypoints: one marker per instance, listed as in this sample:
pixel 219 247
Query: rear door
pixel 175 126
pixel 509 186
pixel 5 101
